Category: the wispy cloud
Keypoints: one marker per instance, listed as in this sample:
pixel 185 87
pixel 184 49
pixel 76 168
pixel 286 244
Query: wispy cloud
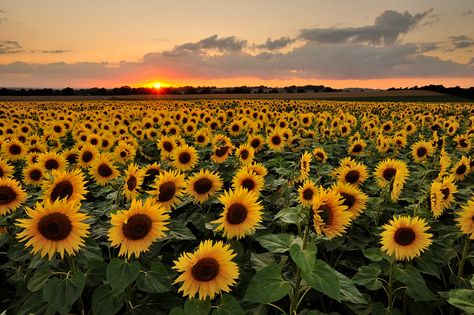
pixel 10 47
pixel 468 12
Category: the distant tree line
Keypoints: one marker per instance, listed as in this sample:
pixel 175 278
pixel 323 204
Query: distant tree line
pixel 456 91
pixel 127 90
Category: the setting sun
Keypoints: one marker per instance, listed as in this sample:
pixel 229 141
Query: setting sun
pixel 156 85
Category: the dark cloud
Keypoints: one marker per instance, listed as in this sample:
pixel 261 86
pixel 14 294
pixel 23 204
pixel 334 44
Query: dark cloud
pixel 460 42
pixel 223 44
pixel 10 47
pixel 275 44
pixel 54 51
pixel 387 28
pixel 427 47
pixel 468 12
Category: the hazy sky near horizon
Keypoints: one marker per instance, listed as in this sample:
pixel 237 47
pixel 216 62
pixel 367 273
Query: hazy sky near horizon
pixel 337 43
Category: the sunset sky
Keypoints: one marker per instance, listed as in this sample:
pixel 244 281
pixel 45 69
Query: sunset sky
pixel 369 43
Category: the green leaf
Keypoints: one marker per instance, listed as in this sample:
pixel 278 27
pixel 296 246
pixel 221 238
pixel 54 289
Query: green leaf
pixel 461 298
pixel 276 243
pixel 38 280
pixel 266 286
pixel 156 280
pixel 323 279
pixel 197 307
pixel 367 276
pixel 288 215
pixel 178 231
pixel 306 258
pixel 349 292
pixel 105 301
pixel 61 294
pixel 177 311
pixel 228 305
pixel 120 273
pixel 374 254
pixel 416 286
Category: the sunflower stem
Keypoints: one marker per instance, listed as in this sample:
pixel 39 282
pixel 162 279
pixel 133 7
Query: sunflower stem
pixel 390 285
pixel 296 292
pixel 72 267
pixel 465 250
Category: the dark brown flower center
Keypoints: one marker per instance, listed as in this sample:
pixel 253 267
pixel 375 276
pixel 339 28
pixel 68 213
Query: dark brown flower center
pixel 51 164
pixel 184 157
pixel 104 170
pixel 389 173
pixel 7 195
pixel 200 139
pixel 220 152
pixel 463 143
pixel 244 154
pixel 202 185
pixel 308 194
pixel 87 156
pixel 205 269
pixel 352 176
pixel 167 191
pixel 62 190
pixel 235 128
pixel 35 174
pixel 357 148
pixel 276 140
pixel 167 146
pixel 445 192
pixel 325 213
pixel 55 226
pixel 137 227
pixel 15 149
pixel 320 156
pixel 248 183
pixel 421 152
pixel 461 169
pixel 404 236
pixel 236 214
pixel 255 143
pixel 123 154
pixel 349 200
pixel 71 158
pixel 131 182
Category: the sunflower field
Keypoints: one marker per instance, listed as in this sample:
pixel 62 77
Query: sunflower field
pixel 236 207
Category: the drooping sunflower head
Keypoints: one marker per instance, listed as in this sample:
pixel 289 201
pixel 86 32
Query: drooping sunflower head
pixel 135 229
pixel 257 168
pixel 465 219
pixel 65 185
pixel 185 158
pixel 11 195
pixel 207 271
pixel 133 181
pixel 151 172
pixel 320 154
pixel 306 192
pixel 305 165
pixel 405 237
pixel 330 217
pixel 448 189
pixel 56 227
pixel 353 198
pixel 436 199
pixel 103 170
pixel 242 213
pixel 168 188
pixel 203 185
pixel 248 180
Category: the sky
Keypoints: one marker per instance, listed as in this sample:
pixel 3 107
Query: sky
pixel 340 43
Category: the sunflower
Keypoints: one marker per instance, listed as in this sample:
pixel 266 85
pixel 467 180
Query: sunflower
pixel 52 161
pixel 6 170
pixel 65 185
pixel 203 185
pixel 201 138
pixel 352 197
pixel 135 229
pixel 11 195
pixel 248 180
pixel 124 152
pixel 436 199
pixel 463 143
pixel 151 172
pixel 54 228
pixel 357 147
pixel 242 213
pixel 421 150
pixel 448 189
pixel 444 163
pixel 461 168
pixel 133 180
pixel 14 150
pixel 33 174
pixel 257 168
pixel 87 154
pixel 330 217
pixel 465 220
pixel 305 166
pixel 275 141
pixel 256 142
pixel 71 156
pixel 319 154
pixel 355 174
pixel 405 237
pixel 306 193
pixel 166 145
pixel 246 153
pixel 168 188
pixel 208 271
pixel 185 158
pixel 102 170
pixel 393 173
pixel 221 153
